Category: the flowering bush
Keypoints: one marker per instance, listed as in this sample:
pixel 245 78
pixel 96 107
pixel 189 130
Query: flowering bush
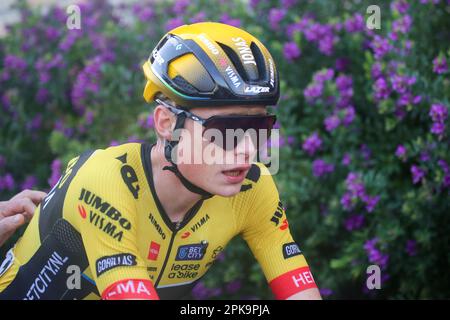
pixel 364 168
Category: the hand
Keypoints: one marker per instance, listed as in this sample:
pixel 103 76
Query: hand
pixel 17 211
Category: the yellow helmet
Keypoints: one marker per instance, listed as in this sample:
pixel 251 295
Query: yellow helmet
pixel 211 64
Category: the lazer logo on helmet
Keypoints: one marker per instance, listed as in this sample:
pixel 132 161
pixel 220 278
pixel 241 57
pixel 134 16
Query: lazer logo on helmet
pixel 256 89
pixel 244 50
pixel 158 57
pixel 208 43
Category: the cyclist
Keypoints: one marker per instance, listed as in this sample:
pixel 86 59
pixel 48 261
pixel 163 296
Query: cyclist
pixel 140 224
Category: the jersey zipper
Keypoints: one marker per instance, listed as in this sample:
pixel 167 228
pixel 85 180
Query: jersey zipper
pixel 177 226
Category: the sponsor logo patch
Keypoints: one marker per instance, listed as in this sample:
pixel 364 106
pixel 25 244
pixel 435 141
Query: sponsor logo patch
pixel 290 250
pixel 110 262
pixel 191 252
pixel 153 251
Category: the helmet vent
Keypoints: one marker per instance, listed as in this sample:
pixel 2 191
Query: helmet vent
pixel 260 61
pixel 183 84
pixel 232 55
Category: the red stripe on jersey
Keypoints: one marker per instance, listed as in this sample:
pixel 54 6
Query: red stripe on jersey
pixel 292 282
pixel 130 289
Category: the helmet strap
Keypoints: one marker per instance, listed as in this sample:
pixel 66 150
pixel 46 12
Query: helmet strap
pixel 169 146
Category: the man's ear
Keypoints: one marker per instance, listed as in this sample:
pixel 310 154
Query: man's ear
pixel 164 122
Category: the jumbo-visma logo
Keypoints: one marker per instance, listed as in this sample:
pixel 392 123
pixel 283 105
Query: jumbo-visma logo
pixel 103 215
pixel 278 215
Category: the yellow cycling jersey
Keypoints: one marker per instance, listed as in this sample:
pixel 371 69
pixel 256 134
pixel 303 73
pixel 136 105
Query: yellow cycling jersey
pixel 103 219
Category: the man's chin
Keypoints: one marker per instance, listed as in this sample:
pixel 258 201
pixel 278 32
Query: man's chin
pixel 228 191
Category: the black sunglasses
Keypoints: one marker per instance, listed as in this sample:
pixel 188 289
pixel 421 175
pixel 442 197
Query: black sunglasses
pixel 236 125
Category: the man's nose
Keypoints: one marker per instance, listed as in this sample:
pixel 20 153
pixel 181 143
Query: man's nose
pixel 247 146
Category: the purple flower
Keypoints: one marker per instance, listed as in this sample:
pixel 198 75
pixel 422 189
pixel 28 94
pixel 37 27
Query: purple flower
pixel 174 23
pixel 254 3
pixel 146 14
pixel 326 44
pixel 347 201
pixel 200 291
pixel 52 33
pixel 8 182
pixel 401 83
pixel 343 83
pixel 346 159
pixel 275 17
pixel 402 25
pixel 56 172
pixel 180 6
pixel 438 128
pixel 42 95
pixel 354 185
pixel 12 62
pixel 44 77
pixel 70 39
pixel 288 3
pixel 225 18
pixel 332 122
pixel 424 156
pixel 374 254
pixel 291 51
pixel 349 115
pixel 233 286
pixel 411 247
pixel 325 292
pixel 365 152
pixel 135 139
pixel 323 75
pixel 380 46
pixel 313 90
pixel 354 222
pixel 376 70
pixel 381 89
pixel 321 168
pixel 341 64
pixel 400 6
pixel 438 112
pixel 199 17
pixel 29 183
pixel 312 144
pixel 440 65
pixel 370 202
pixel 417 174
pixel 89 117
pixel 355 23
pixel 400 151
pixel 35 123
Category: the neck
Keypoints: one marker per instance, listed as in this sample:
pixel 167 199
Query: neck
pixel 174 197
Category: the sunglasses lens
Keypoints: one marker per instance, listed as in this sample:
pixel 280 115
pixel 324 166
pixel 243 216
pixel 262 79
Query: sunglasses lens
pixel 227 132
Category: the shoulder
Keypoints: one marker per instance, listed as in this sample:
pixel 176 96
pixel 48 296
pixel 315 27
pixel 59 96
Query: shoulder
pixel 258 179
pixel 258 192
pixel 112 169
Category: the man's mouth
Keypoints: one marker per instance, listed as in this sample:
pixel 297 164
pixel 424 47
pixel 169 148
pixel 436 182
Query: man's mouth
pixel 236 175
pixel 232 173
